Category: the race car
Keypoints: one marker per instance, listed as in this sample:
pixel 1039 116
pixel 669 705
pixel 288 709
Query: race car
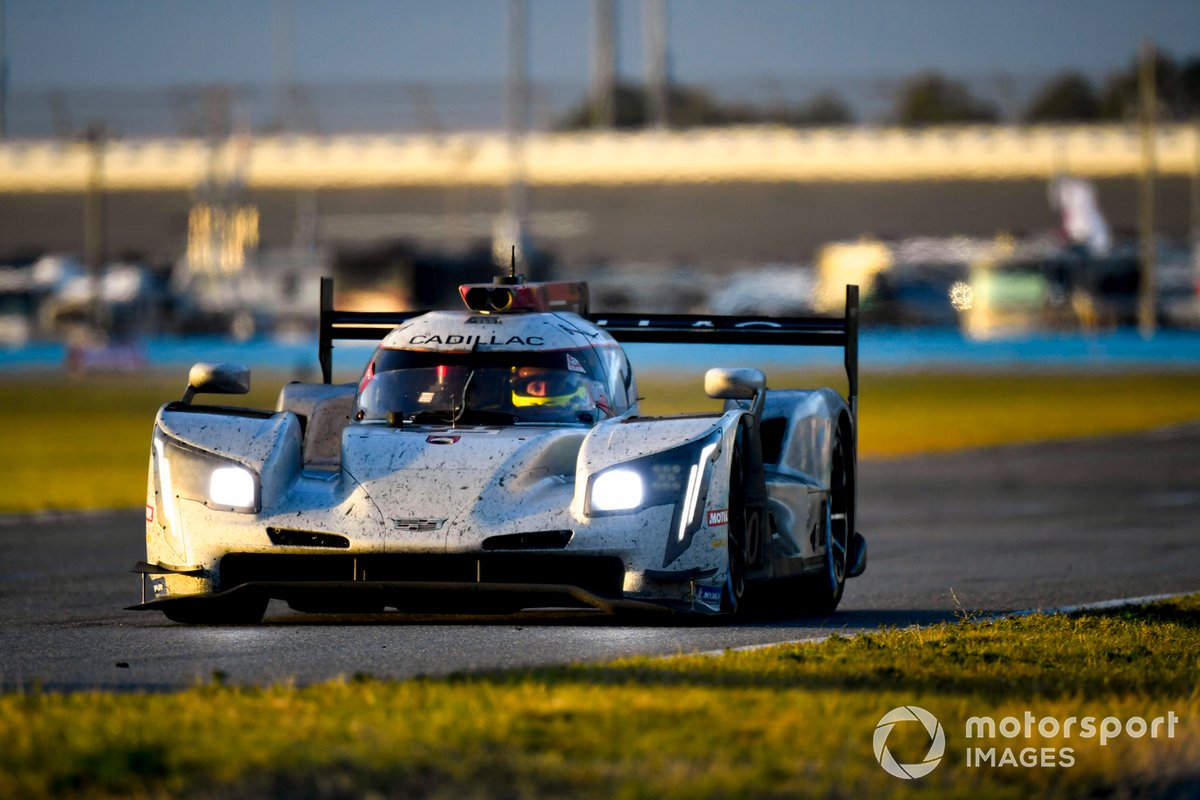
pixel 494 459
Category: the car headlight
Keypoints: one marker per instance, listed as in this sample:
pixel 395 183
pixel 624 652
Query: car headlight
pixel 195 474
pixel 680 476
pixel 233 487
pixel 617 490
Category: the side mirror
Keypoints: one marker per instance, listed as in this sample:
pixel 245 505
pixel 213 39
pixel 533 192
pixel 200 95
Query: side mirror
pixel 210 378
pixel 734 384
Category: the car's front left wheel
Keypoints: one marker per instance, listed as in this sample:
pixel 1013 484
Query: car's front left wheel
pixel 822 591
pixel 745 538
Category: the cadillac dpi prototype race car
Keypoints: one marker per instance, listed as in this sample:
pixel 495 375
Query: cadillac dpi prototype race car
pixel 493 459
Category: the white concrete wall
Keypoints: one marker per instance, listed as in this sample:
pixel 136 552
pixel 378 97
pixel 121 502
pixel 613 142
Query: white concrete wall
pixel 714 155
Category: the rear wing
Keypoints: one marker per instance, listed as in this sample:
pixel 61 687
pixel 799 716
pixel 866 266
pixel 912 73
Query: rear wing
pixel 682 328
pixel 703 329
pixel 370 326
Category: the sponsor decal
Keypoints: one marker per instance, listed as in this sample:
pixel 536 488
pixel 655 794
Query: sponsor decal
pixel 709 594
pixel 149 513
pixel 700 323
pixel 718 517
pixel 158 586
pixel 574 365
pixel 418 524
pixel 442 439
pixel 472 339
pixel 579 331
pixel 482 320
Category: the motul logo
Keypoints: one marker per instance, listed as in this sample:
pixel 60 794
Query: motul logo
pixel 718 517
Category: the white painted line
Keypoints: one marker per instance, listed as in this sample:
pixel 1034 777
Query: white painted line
pixel 1096 606
pixel 56 517
pixel 750 648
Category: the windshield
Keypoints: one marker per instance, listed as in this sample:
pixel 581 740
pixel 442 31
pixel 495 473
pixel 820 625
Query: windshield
pixel 498 389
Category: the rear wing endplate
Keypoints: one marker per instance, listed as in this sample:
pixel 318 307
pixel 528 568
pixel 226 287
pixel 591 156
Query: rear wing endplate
pixel 350 325
pixel 681 328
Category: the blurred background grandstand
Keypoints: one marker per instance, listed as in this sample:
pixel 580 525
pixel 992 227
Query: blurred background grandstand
pixel 1052 197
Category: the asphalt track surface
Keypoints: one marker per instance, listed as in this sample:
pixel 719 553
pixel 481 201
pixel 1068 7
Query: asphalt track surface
pixel 994 530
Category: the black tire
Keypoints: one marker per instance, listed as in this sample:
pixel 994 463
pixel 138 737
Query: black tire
pixel 220 611
pixel 821 592
pixel 734 592
pixel 746 541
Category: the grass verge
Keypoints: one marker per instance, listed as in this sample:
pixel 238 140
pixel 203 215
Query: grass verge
pixel 85 444
pixel 73 444
pixel 796 720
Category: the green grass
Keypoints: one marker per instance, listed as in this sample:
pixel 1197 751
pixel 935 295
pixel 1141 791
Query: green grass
pixel 788 721
pixel 84 444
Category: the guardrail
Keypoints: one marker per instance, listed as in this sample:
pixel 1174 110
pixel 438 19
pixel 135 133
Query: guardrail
pixel 602 158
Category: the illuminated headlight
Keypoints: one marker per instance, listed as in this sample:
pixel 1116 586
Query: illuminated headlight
pixel 194 474
pixel 617 490
pixel 680 477
pixel 232 486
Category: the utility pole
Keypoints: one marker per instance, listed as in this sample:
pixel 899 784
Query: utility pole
pixel 654 21
pixel 1147 251
pixel 604 63
pixel 3 78
pixel 1195 200
pixel 94 223
pixel 282 49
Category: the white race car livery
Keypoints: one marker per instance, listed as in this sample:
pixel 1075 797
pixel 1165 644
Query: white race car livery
pixel 494 459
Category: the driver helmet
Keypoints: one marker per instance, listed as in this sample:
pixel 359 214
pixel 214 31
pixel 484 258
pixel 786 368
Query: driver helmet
pixel 539 386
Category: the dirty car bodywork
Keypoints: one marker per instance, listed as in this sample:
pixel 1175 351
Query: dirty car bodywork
pixel 443 481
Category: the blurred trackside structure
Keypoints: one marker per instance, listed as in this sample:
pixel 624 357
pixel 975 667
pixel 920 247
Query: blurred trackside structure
pixel 750 154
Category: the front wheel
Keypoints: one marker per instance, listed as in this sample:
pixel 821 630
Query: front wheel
pixel 735 581
pixel 735 586
pixel 821 592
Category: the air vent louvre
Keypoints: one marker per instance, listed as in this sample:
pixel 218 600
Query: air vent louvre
pixel 533 540
pixel 289 537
